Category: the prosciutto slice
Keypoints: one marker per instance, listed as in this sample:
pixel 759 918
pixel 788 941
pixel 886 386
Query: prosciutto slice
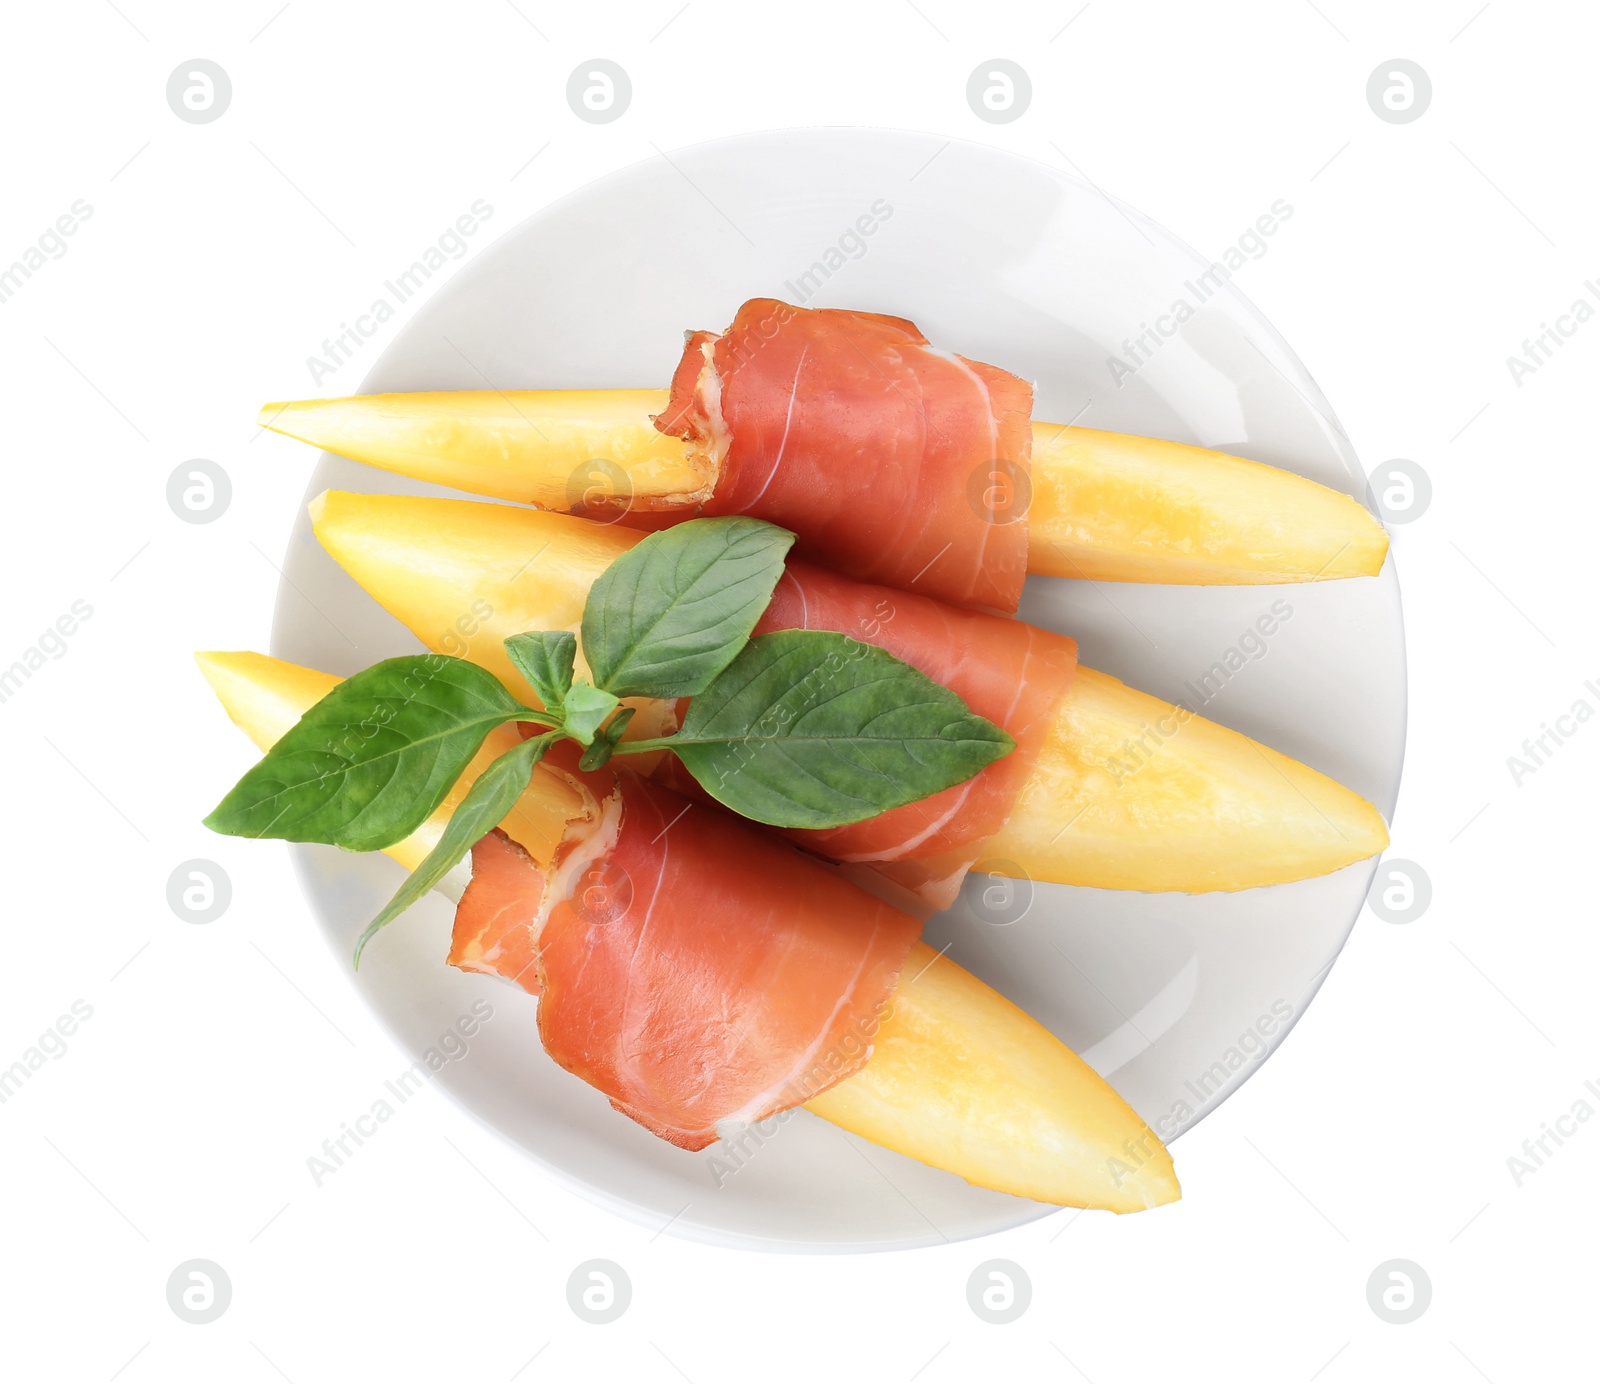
pixel 695 971
pixel 882 453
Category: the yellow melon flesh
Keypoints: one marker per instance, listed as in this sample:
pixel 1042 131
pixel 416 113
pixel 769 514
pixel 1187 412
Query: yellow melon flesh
pixel 1131 792
pixel 1213 809
pixel 959 1077
pixel 539 447
pixel 1105 506
pixel 1111 507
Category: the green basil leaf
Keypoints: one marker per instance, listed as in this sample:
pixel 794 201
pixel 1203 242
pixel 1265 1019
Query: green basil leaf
pixel 670 614
pixel 807 728
pixel 584 709
pixel 368 764
pixel 545 658
pixel 487 803
pixel 605 742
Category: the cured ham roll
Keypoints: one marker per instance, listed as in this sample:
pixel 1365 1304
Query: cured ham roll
pixel 893 461
pixel 1107 786
pixel 849 429
pixel 660 943
pixel 701 975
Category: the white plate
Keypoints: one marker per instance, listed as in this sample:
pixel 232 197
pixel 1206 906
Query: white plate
pixel 1004 260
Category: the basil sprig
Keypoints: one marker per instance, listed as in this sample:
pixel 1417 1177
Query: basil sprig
pixel 806 728
pixel 668 616
pixel 369 763
pixel 800 728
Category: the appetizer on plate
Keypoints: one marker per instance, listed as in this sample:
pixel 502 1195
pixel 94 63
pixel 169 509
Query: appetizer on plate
pixel 712 763
pixel 894 462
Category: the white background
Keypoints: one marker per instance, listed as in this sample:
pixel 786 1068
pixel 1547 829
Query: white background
pixel 178 1122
